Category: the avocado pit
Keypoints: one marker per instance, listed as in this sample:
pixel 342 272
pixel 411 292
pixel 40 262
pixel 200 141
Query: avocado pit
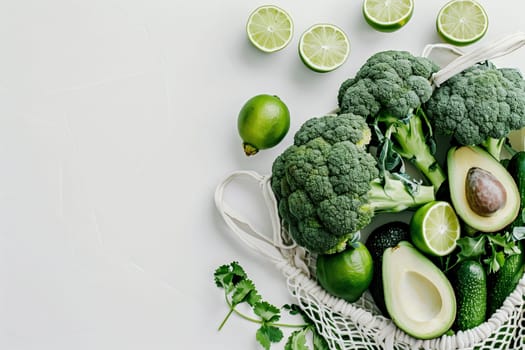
pixel 485 193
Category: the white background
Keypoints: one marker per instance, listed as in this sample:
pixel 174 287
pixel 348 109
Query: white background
pixel 117 121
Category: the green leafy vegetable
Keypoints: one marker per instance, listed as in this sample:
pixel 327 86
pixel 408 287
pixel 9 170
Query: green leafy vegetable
pixel 389 91
pixel 329 184
pixel 479 106
pixel 239 289
pixel 489 248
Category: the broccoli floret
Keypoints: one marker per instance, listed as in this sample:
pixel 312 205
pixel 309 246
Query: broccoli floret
pixel 333 130
pixel 389 90
pixel 328 185
pixel 395 81
pixel 479 106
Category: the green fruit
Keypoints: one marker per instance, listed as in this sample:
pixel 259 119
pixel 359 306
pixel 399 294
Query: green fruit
pixel 262 123
pixel 269 28
pixel 504 281
pixel 419 297
pixel 462 22
pixel 346 274
pixel 324 47
pixel 483 192
pixel 387 16
pixel 385 236
pixel 435 228
pixel 470 285
pixel 516 169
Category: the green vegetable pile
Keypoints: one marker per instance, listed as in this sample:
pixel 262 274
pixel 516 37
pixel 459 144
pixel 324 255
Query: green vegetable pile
pixel 345 169
pixel 389 91
pixel 329 186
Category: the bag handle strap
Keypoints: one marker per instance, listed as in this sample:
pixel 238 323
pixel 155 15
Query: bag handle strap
pixel 272 247
pixel 495 49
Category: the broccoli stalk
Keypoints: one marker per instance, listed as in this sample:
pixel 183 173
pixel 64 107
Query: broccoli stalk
pixel 386 90
pixel 496 146
pixel 329 186
pixel 396 192
pixel 410 141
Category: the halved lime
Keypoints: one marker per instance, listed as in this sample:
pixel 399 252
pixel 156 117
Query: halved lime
pixel 387 15
pixel 435 228
pixel 269 28
pixel 462 22
pixel 324 47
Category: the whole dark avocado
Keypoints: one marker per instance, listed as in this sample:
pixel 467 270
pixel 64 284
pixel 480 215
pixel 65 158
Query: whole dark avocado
pixel 385 236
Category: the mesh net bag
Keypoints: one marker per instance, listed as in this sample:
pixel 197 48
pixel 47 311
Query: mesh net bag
pixel 360 325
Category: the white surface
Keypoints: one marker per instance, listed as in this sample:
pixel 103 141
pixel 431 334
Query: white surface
pixel 117 121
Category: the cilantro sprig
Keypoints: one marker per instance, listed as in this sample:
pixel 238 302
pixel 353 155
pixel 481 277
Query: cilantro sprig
pixel 239 289
pixel 489 248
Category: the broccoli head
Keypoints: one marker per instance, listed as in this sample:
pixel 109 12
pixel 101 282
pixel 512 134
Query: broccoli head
pixel 392 81
pixel 479 104
pixel 389 90
pixel 325 181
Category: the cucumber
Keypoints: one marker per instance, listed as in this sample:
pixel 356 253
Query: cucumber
pixel 470 285
pixel 504 281
pixel 385 236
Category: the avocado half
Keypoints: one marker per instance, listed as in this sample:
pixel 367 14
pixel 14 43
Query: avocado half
pixel 462 159
pixel 418 296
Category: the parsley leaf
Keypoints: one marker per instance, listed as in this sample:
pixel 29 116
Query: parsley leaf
pixel 227 276
pixel 267 311
pixel 242 291
pixel 297 341
pixel 471 247
pixel 239 289
pixel 489 248
pixel 268 334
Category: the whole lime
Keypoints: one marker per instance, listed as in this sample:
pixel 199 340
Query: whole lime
pixel 264 120
pixel 346 274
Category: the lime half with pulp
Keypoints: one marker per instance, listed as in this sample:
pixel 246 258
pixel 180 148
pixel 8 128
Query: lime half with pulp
pixel 269 28
pixel 387 15
pixel 435 228
pixel 324 47
pixel 462 22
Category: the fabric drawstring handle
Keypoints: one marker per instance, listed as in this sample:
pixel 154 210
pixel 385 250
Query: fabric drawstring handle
pixel 495 49
pixel 270 247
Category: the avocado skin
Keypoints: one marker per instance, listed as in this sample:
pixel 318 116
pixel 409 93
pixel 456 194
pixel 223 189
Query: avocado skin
pixel 516 168
pixel 385 236
pixel 470 285
pixel 504 281
pixel 443 192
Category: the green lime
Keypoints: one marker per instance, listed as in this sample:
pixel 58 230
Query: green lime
pixel 346 274
pixel 462 22
pixel 269 28
pixel 262 123
pixel 324 47
pixel 435 228
pixel 387 15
